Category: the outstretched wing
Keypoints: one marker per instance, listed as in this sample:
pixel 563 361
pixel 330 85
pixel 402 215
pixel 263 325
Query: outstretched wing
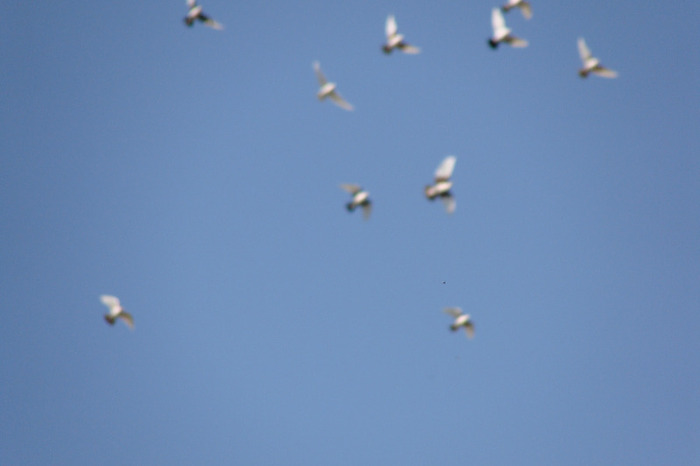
pixel 517 41
pixel 351 188
pixel 340 102
pixel 191 3
pixel 391 27
pixel 469 328
pixel 110 301
pixel 319 74
pixel 526 9
pixel 449 202
pixel 583 50
pixel 366 210
pixel 453 311
pixel 410 49
pixel 444 170
pixel 127 318
pixel 497 21
pixel 604 72
pixel 211 23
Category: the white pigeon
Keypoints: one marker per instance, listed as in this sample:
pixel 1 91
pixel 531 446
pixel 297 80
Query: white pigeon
pixel 524 6
pixel 442 185
pixel 327 89
pixel 501 33
pixel 195 13
pixel 394 40
pixel 116 311
pixel 360 198
pixel 461 320
pixel 591 64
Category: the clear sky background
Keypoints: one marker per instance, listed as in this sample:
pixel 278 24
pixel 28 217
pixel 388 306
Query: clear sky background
pixel 194 174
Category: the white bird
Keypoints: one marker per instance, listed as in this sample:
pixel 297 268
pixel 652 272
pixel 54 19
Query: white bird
pixel 501 33
pixel 195 13
pixel 461 320
pixel 442 185
pixel 360 198
pixel 327 89
pixel 524 6
pixel 116 311
pixel 394 40
pixel 591 64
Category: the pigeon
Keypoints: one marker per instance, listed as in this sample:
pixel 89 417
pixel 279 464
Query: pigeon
pixel 591 63
pixel 360 198
pixel 442 185
pixel 395 40
pixel 116 311
pixel 461 320
pixel 327 89
pixel 195 13
pixel 524 6
pixel 501 33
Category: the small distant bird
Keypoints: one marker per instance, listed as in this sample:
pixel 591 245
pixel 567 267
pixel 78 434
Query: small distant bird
pixel 501 33
pixel 524 6
pixel 195 13
pixel 461 320
pixel 395 40
pixel 442 185
pixel 360 198
pixel 116 311
pixel 328 89
pixel 591 64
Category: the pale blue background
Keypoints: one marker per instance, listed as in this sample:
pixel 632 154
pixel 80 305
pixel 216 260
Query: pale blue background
pixel 194 174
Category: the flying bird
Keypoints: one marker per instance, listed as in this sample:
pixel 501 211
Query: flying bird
pixel 442 185
pixel 116 311
pixel 501 33
pixel 461 320
pixel 394 40
pixel 591 64
pixel 360 198
pixel 524 6
pixel 327 89
pixel 195 13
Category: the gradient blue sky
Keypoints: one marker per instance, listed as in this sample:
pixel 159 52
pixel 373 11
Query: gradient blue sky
pixel 194 174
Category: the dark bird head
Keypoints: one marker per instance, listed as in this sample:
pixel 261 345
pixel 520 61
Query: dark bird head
pixel 493 44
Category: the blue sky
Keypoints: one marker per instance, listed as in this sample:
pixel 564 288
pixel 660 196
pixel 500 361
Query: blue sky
pixel 194 174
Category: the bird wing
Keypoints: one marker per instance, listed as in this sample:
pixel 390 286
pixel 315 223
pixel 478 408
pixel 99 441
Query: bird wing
pixel 319 74
pixel 391 27
pixel 110 301
pixel 526 9
pixel 469 328
pixel 191 3
pixel 340 102
pixel 366 210
pixel 211 23
pixel 604 72
pixel 449 202
pixel 351 188
pixel 127 318
pixel 583 50
pixel 406 48
pixel 517 42
pixel 453 311
pixel 497 21
pixel 444 170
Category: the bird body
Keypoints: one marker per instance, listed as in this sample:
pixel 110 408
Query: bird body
pixel 116 311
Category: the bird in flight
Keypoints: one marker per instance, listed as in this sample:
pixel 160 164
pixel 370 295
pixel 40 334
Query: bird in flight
pixel 195 13
pixel 501 33
pixel 443 184
pixel 360 198
pixel 461 320
pixel 394 40
pixel 591 64
pixel 524 6
pixel 327 89
pixel 116 311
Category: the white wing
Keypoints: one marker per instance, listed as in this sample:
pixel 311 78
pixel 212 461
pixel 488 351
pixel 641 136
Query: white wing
pixel 191 3
pixel 444 170
pixel 450 203
pixel 453 311
pixel 497 21
pixel 583 50
pixel 110 301
pixel 604 72
pixel 351 188
pixel 410 49
pixel 517 42
pixel 319 74
pixel 526 9
pixel 390 26
pixel 340 102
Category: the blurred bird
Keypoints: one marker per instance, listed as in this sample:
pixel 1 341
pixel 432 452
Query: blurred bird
pixel 195 13
pixel 116 311
pixel 442 185
pixel 524 6
pixel 360 198
pixel 327 89
pixel 591 64
pixel 501 33
pixel 395 40
pixel 461 320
